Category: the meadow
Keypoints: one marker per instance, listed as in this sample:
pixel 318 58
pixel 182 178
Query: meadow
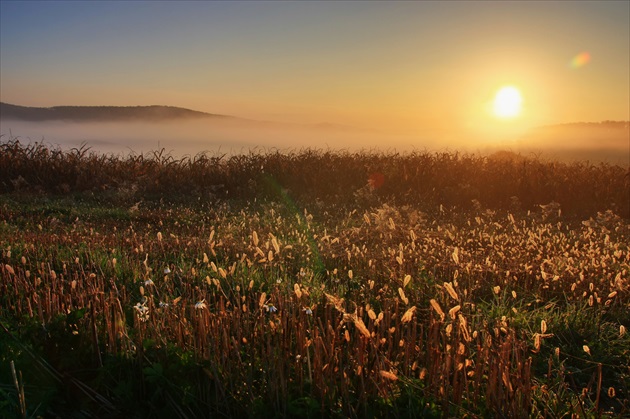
pixel 312 283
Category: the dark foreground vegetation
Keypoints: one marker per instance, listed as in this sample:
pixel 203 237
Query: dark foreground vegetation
pixel 312 284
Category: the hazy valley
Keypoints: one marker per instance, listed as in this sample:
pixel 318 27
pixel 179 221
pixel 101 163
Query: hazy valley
pixel 142 129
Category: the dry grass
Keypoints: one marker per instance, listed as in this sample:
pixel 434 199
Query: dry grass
pixel 288 303
pixel 325 178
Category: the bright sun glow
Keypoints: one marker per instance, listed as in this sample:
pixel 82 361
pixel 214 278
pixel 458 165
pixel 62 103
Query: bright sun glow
pixel 507 102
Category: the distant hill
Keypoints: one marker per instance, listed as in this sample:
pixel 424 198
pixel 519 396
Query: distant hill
pixel 152 113
pixel 102 113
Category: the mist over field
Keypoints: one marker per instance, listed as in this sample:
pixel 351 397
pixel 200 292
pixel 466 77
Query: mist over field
pixel 189 137
pixel 180 137
pixel 315 209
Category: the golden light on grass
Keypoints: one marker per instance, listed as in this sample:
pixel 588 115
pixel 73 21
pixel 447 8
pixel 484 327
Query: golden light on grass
pixel 361 327
pixel 455 256
pixel 371 314
pixel 452 312
pixel 403 297
pixel 216 316
pixel 255 238
pixel 408 315
pixel 9 269
pixel 388 375
pixel 463 327
pixel 451 291
pixel 537 342
pixel 437 309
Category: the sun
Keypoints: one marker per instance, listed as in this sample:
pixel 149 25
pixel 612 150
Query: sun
pixel 507 102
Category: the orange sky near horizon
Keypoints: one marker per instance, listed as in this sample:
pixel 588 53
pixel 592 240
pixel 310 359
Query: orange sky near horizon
pixel 426 68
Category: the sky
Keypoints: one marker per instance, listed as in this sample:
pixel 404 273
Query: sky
pixel 409 66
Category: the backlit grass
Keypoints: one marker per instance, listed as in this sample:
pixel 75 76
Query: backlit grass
pixel 304 285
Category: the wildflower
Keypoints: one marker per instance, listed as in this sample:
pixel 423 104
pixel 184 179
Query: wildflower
pixel 142 311
pixel 167 270
pixel 148 282
pixel 308 311
pixel 270 308
pixel 200 305
pixel 163 304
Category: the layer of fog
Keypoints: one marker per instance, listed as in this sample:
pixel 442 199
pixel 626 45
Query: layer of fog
pixel 190 137
pixel 181 138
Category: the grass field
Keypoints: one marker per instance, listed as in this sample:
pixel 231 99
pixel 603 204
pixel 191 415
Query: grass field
pixel 312 284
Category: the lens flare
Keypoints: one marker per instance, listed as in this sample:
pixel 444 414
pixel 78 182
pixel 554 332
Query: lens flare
pixel 580 60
